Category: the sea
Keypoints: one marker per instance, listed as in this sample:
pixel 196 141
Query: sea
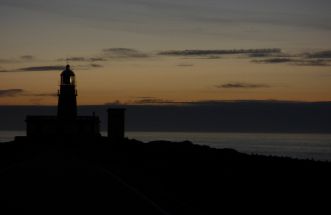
pixel 301 146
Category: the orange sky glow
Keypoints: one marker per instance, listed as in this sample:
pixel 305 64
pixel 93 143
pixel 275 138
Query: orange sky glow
pixel 134 51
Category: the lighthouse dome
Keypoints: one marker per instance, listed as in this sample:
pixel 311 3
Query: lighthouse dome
pixel 67 76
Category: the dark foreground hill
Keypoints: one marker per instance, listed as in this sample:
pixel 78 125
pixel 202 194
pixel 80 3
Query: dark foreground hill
pixel 130 177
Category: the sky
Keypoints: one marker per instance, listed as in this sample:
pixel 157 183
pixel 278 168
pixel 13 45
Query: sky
pixel 165 51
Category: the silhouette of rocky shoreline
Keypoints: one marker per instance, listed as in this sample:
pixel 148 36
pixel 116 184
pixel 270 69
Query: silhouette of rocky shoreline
pixel 160 177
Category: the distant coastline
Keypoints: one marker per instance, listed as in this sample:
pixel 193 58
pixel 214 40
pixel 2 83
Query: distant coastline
pixel 304 146
pixel 217 116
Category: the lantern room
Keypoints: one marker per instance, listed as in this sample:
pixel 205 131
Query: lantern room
pixel 68 76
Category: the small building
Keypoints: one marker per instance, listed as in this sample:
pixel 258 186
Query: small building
pixel 67 122
pixel 116 123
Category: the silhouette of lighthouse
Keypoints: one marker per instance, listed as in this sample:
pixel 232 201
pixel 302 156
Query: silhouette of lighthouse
pixel 67 123
pixel 67 104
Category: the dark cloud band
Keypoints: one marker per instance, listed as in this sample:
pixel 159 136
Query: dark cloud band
pixel 41 68
pixel 83 59
pixel 295 61
pixel 124 53
pixel 236 85
pixel 218 52
pixel 274 60
pixel 11 92
pixel 322 54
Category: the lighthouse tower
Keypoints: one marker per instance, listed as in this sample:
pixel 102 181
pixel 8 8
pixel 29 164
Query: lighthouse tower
pixel 67 123
pixel 67 104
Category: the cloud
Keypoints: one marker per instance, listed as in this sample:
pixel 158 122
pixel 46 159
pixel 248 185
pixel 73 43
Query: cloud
pixel 11 92
pixel 108 53
pixel 270 54
pixel 295 61
pixel 322 54
pixel 304 59
pixel 94 65
pixel 73 59
pixel 40 68
pixel 88 66
pixel 27 57
pixel 258 55
pixel 207 57
pixel 274 60
pixel 124 53
pixel 50 68
pixel 151 100
pixel 144 97
pixel 236 85
pixel 315 62
pixel 22 92
pixel 36 97
pixel 216 52
pixel 154 101
pixel 82 59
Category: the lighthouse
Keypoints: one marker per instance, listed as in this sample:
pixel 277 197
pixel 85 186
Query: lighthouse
pixel 67 103
pixel 67 123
